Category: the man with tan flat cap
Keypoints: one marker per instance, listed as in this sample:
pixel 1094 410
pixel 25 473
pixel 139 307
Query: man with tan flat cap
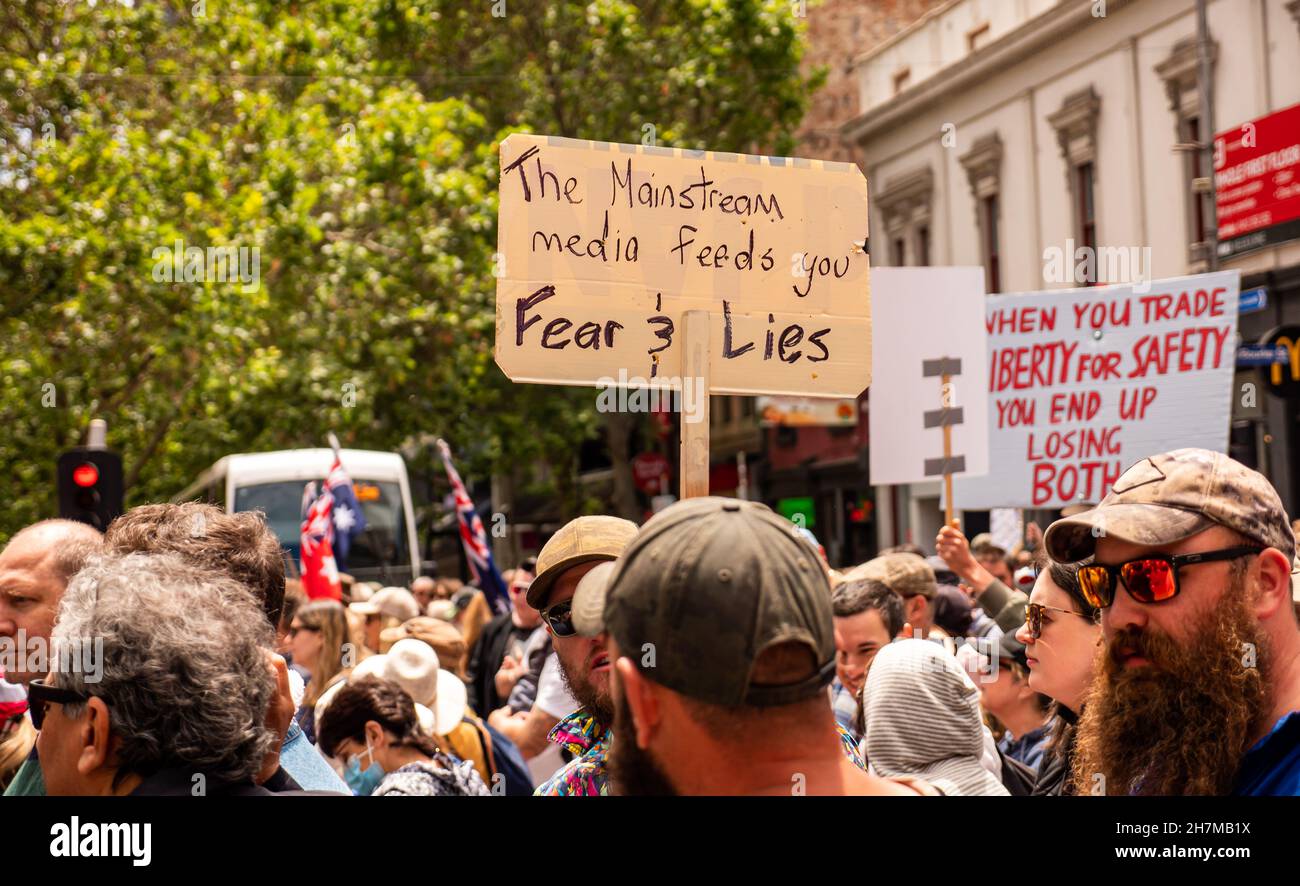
pixel 578 662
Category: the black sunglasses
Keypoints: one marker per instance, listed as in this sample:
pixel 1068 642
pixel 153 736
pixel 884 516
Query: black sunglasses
pixel 1149 579
pixel 560 619
pixel 40 693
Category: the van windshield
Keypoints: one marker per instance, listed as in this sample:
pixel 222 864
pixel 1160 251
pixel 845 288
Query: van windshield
pixel 383 543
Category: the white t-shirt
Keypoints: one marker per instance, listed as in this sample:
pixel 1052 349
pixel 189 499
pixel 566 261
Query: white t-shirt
pixel 553 697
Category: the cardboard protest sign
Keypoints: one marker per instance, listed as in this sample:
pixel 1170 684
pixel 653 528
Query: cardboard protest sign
pixel 1084 382
pixel 922 316
pixel 603 248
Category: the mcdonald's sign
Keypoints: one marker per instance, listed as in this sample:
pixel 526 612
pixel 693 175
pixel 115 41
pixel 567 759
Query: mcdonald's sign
pixel 1284 378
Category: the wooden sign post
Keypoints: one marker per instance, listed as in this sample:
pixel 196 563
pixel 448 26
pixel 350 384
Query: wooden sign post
pixel 945 417
pixel 695 433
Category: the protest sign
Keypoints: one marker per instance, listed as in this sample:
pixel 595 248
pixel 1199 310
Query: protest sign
pixel 1083 383
pixel 604 248
pixel 923 316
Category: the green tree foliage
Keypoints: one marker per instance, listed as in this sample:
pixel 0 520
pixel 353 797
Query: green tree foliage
pixel 353 143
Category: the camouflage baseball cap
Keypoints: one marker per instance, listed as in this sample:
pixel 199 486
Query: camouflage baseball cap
pixel 905 574
pixel 710 583
pixel 1172 496
pixel 579 541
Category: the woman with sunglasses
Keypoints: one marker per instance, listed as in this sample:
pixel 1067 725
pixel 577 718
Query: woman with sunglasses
pixel 1060 633
pixel 318 639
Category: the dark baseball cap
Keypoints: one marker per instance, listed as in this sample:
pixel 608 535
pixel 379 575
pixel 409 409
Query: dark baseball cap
pixel 711 583
pixel 1172 496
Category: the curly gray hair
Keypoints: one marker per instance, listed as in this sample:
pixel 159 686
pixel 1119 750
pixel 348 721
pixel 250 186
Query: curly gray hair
pixel 185 669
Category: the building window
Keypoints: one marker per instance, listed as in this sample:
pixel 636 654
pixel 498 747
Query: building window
pixel 1194 161
pixel 1179 73
pixel 923 246
pixel 977 37
pixel 1076 132
pixel 904 204
pixel 1086 209
pixel 992 272
pixel 983 165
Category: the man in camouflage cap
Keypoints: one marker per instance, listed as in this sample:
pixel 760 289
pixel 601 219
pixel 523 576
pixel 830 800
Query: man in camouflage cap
pixel 718 619
pixel 1197 687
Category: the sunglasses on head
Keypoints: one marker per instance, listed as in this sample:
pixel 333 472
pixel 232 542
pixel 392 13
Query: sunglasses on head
pixel 559 618
pixel 1149 579
pixel 40 693
pixel 1034 617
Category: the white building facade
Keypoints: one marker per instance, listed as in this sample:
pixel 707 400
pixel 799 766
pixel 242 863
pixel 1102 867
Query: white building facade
pixel 995 130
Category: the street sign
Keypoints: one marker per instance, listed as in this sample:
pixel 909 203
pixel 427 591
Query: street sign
pixel 1253 300
pixel 1262 355
pixel 650 472
pixel 1255 170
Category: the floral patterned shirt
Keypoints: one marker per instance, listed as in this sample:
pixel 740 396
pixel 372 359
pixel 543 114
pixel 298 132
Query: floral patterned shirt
pixel 584 775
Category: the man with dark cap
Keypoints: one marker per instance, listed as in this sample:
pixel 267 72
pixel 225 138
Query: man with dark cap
pixel 1189 557
pixel 719 623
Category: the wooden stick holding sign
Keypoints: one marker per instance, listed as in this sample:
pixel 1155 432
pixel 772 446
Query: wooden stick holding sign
pixel 695 428
pixel 945 368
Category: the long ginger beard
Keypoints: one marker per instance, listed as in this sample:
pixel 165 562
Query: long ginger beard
pixel 1181 724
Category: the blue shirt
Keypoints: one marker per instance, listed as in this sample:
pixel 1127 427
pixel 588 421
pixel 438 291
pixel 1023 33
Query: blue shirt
pixel 1272 767
pixel 305 764
pixel 1028 748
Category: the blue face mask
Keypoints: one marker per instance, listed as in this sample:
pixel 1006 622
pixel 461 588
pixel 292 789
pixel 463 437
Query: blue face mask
pixel 364 783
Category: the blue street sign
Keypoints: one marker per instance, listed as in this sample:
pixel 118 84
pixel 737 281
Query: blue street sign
pixel 1253 300
pixel 1261 355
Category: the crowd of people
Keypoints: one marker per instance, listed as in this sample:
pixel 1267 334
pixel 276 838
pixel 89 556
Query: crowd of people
pixel 1147 645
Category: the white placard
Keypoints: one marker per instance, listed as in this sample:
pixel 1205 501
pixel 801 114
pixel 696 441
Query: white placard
pixel 921 314
pixel 1085 382
pixel 1007 526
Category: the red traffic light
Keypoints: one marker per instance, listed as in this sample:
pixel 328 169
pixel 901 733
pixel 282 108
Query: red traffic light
pixel 85 475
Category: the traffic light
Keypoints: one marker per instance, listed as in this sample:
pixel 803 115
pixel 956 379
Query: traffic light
pixel 90 486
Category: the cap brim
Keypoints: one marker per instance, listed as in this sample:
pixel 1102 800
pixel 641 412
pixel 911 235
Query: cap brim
pixel 588 605
pixel 540 589
pixel 1072 539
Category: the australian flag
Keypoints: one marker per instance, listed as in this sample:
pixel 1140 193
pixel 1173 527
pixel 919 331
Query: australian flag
pixel 330 520
pixel 477 549
pixel 349 520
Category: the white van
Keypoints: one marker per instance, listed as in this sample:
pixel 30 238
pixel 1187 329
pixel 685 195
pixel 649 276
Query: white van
pixel 272 482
